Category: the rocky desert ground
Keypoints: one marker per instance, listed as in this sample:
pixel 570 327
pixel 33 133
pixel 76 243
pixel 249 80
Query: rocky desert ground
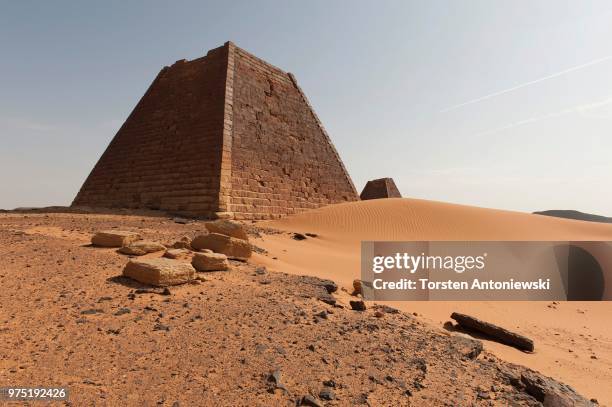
pixel 246 336
pixel 573 338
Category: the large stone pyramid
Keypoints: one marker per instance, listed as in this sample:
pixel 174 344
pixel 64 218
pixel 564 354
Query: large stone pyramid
pixel 225 135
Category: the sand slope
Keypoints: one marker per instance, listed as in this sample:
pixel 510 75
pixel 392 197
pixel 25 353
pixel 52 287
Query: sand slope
pixel 573 340
pixel 405 219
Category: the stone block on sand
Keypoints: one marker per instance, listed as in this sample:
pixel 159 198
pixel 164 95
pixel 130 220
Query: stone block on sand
pixel 210 262
pixel 183 243
pixel 230 246
pixel 141 247
pixel 160 271
pixel 182 254
pixel 227 228
pixel 114 238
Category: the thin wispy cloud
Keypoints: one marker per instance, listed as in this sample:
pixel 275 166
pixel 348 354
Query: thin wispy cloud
pixel 24 124
pixel 583 109
pixel 533 82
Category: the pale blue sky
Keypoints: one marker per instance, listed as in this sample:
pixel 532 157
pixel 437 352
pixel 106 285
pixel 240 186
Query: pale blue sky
pixel 382 76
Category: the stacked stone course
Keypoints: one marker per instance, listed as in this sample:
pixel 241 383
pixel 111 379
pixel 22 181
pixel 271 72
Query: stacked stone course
pixel 226 134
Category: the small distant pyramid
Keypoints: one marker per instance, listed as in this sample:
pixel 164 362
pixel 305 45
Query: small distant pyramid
pixel 224 135
pixel 380 188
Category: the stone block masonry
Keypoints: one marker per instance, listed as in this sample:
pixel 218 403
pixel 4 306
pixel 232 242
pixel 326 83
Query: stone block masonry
pixel 223 135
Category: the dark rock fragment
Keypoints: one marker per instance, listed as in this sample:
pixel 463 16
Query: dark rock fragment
pixel 327 298
pixel 323 315
pixel 92 311
pixel 329 383
pixel 327 394
pixel 122 311
pixel 469 348
pixel 308 400
pixel 330 286
pixel 275 378
pixel 501 334
pixel 161 327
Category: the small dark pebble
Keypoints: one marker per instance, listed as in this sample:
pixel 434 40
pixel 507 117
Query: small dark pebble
pixel 328 299
pixel 298 236
pixel 329 383
pixel 483 395
pixel 275 376
pixel 122 311
pixel 327 394
pixel 388 310
pixel 322 314
pixel 358 305
pixel 330 286
pixel 92 311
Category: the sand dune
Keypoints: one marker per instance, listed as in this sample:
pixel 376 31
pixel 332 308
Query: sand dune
pixel 573 340
pixel 405 219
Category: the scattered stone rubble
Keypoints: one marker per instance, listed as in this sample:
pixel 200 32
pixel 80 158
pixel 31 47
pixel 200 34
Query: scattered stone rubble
pixel 232 247
pixel 226 239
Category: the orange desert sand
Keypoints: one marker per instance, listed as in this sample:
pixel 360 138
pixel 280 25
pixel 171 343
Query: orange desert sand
pixel 573 339
pixel 275 336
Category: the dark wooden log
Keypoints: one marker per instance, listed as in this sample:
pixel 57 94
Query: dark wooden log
pixel 496 332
